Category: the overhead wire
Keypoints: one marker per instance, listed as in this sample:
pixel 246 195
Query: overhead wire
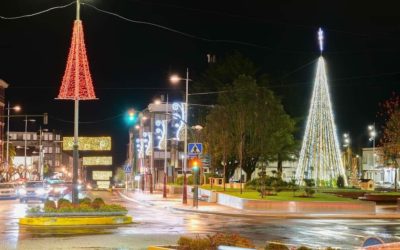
pixel 38 13
pixel 191 35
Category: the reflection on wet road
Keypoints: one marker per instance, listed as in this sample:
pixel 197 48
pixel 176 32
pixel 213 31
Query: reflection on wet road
pixel 158 226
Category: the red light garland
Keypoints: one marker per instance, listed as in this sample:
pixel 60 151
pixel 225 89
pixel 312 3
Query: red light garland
pixel 77 82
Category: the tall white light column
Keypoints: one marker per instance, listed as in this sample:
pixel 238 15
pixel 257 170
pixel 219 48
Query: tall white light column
pixel 320 154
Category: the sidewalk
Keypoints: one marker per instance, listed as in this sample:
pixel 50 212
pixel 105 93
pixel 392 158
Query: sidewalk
pixel 174 202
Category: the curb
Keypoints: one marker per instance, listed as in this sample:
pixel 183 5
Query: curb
pixel 281 216
pixel 296 216
pixel 75 221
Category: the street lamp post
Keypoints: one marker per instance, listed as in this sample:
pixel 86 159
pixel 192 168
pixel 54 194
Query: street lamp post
pixel 25 141
pixel 372 135
pixel 16 108
pixel 175 79
pixel 165 151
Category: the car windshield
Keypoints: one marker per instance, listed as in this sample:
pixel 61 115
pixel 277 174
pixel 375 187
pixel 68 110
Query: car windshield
pixel 6 186
pixel 34 184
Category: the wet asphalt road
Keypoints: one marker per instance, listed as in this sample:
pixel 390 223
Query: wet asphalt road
pixel 153 225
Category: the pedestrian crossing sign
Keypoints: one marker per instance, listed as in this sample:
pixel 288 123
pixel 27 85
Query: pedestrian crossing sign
pixel 195 149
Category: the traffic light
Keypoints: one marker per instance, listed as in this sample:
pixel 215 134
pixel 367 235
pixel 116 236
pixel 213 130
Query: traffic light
pixel 131 114
pixel 130 117
pixel 195 164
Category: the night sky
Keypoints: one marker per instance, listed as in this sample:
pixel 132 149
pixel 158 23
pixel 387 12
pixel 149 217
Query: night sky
pixel 130 63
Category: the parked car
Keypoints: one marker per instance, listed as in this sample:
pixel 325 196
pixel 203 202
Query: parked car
pixel 8 191
pixel 34 190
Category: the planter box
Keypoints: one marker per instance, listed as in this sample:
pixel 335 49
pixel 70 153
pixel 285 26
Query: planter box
pixel 77 214
pixel 321 207
pixel 162 248
pixel 74 221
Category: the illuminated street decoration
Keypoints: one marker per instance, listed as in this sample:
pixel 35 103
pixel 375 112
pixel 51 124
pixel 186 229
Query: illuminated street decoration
pixel 147 143
pixel 320 155
pixel 77 81
pixel 101 175
pixel 88 143
pixel 178 118
pixel 97 160
pixel 140 147
pixel 161 127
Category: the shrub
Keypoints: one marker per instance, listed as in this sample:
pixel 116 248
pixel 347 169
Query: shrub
pixel 50 205
pixel 84 207
pixel 86 201
pixel 34 210
pixel 309 190
pixel 304 248
pixel 197 243
pixel 98 202
pixel 276 246
pixel 112 208
pixel 63 203
pixel 340 182
pixel 235 240
pixel 252 184
pixel 189 179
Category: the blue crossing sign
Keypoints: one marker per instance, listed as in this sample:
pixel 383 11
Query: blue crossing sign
pixel 128 169
pixel 195 149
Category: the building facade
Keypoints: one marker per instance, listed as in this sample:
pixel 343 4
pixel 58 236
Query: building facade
pixel 3 86
pixel 42 149
pixel 373 168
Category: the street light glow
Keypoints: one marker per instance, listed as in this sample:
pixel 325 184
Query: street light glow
pixel 17 108
pixel 157 102
pixel 175 78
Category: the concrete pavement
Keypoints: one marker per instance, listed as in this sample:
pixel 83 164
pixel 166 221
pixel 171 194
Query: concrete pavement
pixel 174 202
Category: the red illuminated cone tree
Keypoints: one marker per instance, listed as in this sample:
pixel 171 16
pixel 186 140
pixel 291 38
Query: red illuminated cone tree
pixel 77 85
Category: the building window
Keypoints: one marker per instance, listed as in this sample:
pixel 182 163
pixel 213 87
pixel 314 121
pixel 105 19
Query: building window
pixel 46 137
pixel 50 150
pixel 57 137
pixel 50 137
pixel 34 137
pixel 58 150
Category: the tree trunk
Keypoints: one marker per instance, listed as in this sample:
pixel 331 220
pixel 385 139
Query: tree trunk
pixel 280 167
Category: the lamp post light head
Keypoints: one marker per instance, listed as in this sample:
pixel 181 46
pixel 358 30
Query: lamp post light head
pixel 371 127
pixel 17 108
pixel 175 79
pixel 372 133
pixel 157 102
pixel 137 127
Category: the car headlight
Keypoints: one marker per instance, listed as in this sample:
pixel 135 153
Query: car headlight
pixel 22 191
pixel 40 191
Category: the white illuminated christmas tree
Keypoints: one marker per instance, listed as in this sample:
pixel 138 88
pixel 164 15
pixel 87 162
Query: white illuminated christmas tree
pixel 320 155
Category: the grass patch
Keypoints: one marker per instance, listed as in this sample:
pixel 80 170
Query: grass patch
pixel 281 196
